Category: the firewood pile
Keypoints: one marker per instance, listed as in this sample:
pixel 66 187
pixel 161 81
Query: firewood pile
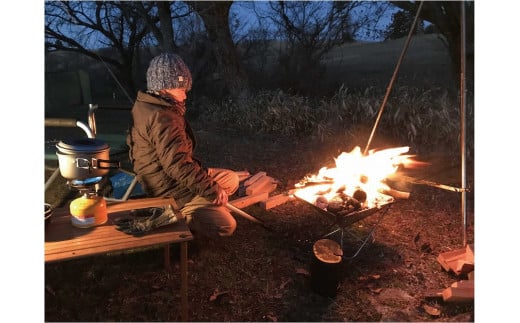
pixel 460 262
pixel 257 189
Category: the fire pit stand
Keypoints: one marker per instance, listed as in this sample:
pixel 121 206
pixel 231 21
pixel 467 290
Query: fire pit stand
pixel 343 222
pixel 342 225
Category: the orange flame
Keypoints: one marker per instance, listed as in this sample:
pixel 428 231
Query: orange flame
pixel 356 172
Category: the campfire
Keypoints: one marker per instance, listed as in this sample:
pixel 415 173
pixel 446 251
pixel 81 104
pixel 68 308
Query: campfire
pixel 357 182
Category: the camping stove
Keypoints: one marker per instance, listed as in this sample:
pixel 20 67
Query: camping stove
pixel 85 164
pixel 90 209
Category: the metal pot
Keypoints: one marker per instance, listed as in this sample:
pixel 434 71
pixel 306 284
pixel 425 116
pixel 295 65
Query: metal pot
pixel 84 158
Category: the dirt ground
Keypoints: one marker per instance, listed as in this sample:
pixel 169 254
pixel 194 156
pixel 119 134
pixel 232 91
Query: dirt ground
pixel 262 274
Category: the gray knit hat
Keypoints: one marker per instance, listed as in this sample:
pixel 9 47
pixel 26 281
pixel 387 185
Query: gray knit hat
pixel 168 71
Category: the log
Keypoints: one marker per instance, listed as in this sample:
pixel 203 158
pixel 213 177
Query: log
pixel 470 254
pixel 448 259
pixel 271 187
pixel 395 193
pixel 326 267
pixel 461 291
pixel 254 178
pixel 462 266
pixel 464 284
pixel 459 295
pixel 274 201
pixel 261 185
pixel 459 261
pixel 248 200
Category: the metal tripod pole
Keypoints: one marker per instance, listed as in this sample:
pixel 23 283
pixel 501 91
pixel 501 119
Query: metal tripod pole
pixel 463 121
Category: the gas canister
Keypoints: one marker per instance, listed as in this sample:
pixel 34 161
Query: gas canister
pixel 88 210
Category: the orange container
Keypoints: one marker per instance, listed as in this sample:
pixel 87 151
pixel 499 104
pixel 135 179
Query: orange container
pixel 88 211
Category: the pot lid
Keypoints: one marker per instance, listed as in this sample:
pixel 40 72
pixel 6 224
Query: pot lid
pixel 83 145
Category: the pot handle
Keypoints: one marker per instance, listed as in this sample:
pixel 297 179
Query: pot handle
pixel 112 164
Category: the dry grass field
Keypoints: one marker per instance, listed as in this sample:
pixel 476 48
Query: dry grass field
pixel 262 275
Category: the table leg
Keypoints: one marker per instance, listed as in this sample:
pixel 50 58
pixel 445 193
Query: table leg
pixel 184 281
pixel 167 256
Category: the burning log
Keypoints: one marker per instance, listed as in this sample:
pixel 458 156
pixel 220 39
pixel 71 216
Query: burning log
pixel 322 202
pixel 360 195
pixel 395 193
pixel 325 267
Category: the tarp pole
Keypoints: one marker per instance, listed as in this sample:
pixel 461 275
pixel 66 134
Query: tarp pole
pixel 463 121
pixel 392 80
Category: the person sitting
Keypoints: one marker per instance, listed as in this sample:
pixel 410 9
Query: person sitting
pixel 161 147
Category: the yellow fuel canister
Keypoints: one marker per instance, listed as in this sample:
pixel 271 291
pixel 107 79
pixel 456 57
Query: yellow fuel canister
pixel 88 210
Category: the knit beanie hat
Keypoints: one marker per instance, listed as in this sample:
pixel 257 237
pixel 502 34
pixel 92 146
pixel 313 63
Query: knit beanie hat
pixel 168 71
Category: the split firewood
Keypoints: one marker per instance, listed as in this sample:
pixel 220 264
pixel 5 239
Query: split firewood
pixel 249 200
pixel 470 253
pixel 461 291
pixel 460 261
pixel 261 185
pixel 254 178
pixel 274 201
pixel 463 267
pixel 464 284
pixel 271 187
pixel 446 258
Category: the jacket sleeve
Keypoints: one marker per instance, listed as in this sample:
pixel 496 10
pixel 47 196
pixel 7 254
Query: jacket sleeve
pixel 174 149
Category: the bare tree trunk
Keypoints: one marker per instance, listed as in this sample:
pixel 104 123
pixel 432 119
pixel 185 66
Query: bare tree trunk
pixel 446 15
pixel 229 77
pixel 166 26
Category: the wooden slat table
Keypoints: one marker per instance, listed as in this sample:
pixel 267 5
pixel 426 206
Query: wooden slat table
pixel 63 241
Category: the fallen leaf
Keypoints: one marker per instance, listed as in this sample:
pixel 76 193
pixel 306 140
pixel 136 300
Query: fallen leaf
pixel 376 276
pixel 416 238
pixel 302 271
pixel 431 310
pixel 376 290
pixel 284 283
pixel 271 317
pixel 278 296
pixel 216 295
pixel 425 247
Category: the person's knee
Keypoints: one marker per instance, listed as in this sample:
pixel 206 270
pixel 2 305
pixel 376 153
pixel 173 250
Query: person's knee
pixel 227 230
pixel 234 182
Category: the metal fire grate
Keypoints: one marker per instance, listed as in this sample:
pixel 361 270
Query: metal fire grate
pixel 343 222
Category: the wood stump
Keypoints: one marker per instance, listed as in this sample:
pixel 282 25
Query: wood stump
pixel 325 267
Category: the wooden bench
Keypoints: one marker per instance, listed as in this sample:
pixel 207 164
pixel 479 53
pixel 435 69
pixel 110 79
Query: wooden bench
pixel 64 241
